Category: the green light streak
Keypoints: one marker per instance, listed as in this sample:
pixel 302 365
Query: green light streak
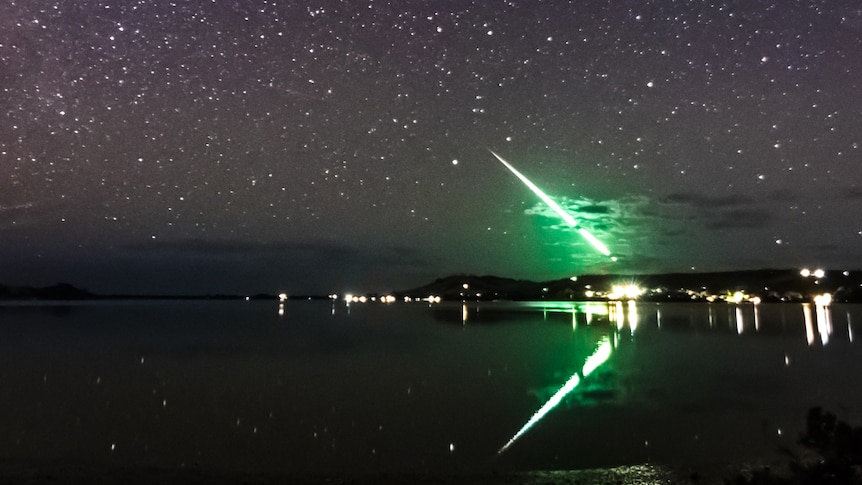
pixel 556 207
pixel 595 242
pixel 599 357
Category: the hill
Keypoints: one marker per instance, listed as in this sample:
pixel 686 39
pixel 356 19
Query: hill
pixel 766 284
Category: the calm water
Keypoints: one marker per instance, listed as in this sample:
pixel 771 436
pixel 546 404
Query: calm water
pixel 318 387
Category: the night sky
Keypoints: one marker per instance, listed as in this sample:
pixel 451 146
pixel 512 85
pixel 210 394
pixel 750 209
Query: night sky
pixel 240 146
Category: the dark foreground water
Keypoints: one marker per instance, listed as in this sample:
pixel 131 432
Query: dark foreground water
pixel 316 387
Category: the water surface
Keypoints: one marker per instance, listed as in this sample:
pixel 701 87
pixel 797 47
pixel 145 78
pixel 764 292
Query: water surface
pixel 322 387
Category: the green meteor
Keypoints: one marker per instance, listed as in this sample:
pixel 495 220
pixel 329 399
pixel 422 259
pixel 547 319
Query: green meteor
pixel 556 208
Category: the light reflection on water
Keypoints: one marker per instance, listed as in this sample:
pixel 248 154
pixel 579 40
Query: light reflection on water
pixel 320 386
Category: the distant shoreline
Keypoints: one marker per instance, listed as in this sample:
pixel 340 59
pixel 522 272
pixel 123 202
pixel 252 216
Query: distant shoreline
pixel 768 285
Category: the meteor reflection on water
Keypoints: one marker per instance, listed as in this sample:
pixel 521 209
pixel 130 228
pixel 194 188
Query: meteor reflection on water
pixel 599 357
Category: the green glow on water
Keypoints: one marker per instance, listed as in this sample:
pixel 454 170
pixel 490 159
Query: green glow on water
pixel 556 207
pixel 599 357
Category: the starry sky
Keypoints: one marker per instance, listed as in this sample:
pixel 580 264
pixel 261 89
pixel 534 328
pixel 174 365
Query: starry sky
pixel 156 146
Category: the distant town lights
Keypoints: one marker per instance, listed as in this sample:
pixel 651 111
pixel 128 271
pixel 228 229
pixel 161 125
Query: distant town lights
pixel 625 292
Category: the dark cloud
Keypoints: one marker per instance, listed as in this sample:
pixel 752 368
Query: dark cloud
pixel 595 209
pixel 854 193
pixel 738 219
pixel 705 201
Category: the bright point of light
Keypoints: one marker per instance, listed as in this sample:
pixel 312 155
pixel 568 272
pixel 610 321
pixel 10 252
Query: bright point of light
pixel 823 300
pixel 348 297
pixel 737 297
pixel 555 207
pixel 625 292
pixel 600 356
pixel 817 273
pixel 455 162
pixel 282 296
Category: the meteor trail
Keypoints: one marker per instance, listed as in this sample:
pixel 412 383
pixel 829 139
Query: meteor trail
pixel 556 208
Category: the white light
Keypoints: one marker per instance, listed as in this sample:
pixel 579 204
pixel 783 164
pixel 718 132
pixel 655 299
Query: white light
pixel 805 272
pixel 819 273
pixel 627 292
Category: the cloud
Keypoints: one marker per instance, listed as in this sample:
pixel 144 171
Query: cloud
pixel 594 209
pixel 738 218
pixel 22 214
pixel 854 193
pixel 705 201
pixel 653 232
pixel 721 212
pixel 9 208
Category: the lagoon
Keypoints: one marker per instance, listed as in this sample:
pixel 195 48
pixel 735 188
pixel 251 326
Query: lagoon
pixel 322 387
